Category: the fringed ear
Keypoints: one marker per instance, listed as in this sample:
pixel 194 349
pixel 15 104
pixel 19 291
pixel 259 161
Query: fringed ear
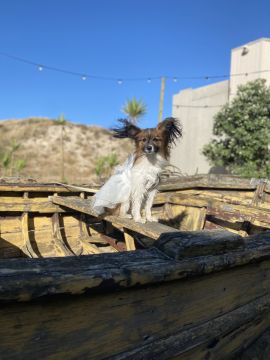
pixel 172 129
pixel 127 130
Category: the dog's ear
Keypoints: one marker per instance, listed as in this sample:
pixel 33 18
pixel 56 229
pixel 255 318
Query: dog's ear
pixel 126 130
pixel 171 128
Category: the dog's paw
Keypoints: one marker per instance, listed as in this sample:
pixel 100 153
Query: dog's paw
pixel 152 219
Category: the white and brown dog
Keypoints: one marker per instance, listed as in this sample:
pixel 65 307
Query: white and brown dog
pixel 134 185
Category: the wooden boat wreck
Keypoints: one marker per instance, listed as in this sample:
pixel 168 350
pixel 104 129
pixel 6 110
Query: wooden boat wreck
pixel 193 286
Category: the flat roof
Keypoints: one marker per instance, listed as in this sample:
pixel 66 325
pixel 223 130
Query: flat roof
pixel 251 42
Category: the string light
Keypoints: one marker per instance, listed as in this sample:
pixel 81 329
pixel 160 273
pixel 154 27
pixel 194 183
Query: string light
pixel 84 76
pixel 198 106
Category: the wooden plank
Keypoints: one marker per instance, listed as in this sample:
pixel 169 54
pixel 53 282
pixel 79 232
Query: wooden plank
pixel 232 212
pixel 232 197
pixel 28 205
pixel 129 240
pixel 198 243
pixel 208 181
pixel 157 322
pixel 199 342
pixel 77 275
pixel 34 187
pixel 101 238
pixel 153 230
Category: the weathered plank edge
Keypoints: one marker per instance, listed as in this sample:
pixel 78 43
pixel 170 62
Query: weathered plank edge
pixel 25 279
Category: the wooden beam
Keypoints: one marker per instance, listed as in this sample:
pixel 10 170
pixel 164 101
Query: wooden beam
pixel 129 240
pixel 27 246
pixel 34 187
pixel 151 229
pixel 77 275
pixel 58 241
pixel 29 205
pixel 209 181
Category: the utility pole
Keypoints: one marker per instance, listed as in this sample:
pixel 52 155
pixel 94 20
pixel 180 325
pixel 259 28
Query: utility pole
pixel 161 99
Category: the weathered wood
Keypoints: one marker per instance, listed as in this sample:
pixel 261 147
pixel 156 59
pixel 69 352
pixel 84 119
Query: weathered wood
pixel 258 194
pixel 26 247
pixel 153 230
pixel 129 240
pixel 205 337
pixel 49 276
pixel 258 349
pixel 35 187
pixel 101 238
pixel 186 218
pixel 198 243
pixel 29 205
pixel 58 241
pixel 209 181
pixel 174 317
pixel 227 211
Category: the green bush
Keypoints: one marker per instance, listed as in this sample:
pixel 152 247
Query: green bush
pixel 105 164
pixel 242 130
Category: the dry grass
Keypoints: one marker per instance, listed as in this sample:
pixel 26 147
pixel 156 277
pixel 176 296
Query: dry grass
pixel 40 146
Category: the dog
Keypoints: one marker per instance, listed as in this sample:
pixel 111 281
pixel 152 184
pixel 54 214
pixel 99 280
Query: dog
pixel 134 185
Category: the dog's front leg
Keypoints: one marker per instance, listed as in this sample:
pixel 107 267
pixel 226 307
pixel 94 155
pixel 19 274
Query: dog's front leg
pixel 148 206
pixel 136 205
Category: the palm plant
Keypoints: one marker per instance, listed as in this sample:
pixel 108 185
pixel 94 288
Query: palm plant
pixel 134 109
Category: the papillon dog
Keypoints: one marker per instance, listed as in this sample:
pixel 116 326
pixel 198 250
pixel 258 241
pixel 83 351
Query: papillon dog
pixel 152 151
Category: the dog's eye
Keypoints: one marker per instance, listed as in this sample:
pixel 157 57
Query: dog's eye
pixel 144 139
pixel 156 139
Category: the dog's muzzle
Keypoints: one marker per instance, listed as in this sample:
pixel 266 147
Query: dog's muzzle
pixel 148 149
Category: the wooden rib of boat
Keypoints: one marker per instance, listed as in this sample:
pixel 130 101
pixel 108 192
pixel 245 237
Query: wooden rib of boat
pixel 195 287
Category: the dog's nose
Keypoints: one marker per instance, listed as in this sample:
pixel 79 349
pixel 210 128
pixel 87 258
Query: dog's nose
pixel 149 147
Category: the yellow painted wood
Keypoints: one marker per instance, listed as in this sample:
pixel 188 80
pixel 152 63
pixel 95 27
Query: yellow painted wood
pixel 129 240
pixel 60 247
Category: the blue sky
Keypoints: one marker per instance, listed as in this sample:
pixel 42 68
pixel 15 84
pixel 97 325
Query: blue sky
pixel 119 39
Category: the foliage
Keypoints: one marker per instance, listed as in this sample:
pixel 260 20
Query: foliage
pixel 105 164
pixel 242 130
pixel 19 165
pixel 61 120
pixel 134 109
pixel 8 161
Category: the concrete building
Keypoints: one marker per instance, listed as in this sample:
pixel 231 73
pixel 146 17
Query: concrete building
pixel 196 107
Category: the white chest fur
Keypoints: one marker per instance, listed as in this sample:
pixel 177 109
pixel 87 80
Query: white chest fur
pixel 145 172
pixel 144 180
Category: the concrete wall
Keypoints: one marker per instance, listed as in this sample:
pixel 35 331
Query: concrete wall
pixel 188 105
pixel 250 59
pixel 197 123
